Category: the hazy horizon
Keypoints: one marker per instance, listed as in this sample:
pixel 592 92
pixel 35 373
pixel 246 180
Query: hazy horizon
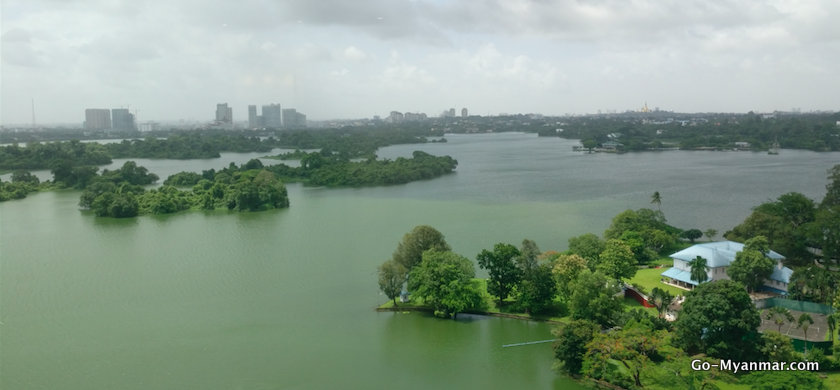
pixel 348 60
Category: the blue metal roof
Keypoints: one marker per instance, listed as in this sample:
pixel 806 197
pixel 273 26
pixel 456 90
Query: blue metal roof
pixel 717 254
pixel 781 275
pixel 678 274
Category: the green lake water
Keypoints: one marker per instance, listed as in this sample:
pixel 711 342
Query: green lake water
pixel 285 298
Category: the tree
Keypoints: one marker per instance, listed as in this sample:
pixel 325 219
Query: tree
pixel 527 259
pixel 699 269
pixel 566 270
pixel 410 250
pixel 661 299
pixel 710 233
pixel 634 346
pixel 570 347
pixel 617 260
pixel 503 270
pixel 25 177
pixel 832 189
pixel 751 265
pixel 594 298
pixel 657 200
pixel 588 246
pixel 720 320
pixel 776 347
pixel 536 290
pixel 804 322
pixel 589 144
pixel 391 279
pixel 692 234
pixel 639 220
pixel 785 224
pixel 646 224
pixel 444 281
pixel 779 315
pixel 825 232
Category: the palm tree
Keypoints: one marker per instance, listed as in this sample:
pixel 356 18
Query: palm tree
pixel 710 233
pixel 804 322
pixel 656 198
pixel 661 299
pixel 779 315
pixel 699 269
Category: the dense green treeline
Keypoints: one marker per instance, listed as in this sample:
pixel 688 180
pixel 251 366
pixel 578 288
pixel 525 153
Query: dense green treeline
pixel 189 146
pixel 320 169
pixel 349 143
pixel 345 143
pixel 22 183
pixel 120 193
pixel 70 154
pixel 818 132
pixel 49 155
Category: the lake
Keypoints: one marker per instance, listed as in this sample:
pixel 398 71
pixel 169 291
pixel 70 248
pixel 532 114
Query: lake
pixel 285 298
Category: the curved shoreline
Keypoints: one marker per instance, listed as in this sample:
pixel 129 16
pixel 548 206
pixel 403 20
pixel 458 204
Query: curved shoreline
pixel 483 313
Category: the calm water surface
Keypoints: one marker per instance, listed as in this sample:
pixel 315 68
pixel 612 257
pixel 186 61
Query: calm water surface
pixel 284 299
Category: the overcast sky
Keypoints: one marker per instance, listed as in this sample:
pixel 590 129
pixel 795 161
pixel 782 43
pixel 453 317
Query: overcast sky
pixel 176 59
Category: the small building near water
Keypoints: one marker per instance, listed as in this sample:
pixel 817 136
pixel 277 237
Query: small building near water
pixel 719 255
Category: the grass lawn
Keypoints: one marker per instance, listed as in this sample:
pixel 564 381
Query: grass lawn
pixel 648 278
pixel 832 381
pixel 630 304
pixel 732 386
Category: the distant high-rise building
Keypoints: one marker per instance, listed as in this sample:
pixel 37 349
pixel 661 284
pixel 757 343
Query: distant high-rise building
pixel 395 117
pixel 464 112
pixel 224 114
pixel 272 116
pixel 293 119
pixel 123 119
pixel 97 118
pixel 413 117
pixel 254 121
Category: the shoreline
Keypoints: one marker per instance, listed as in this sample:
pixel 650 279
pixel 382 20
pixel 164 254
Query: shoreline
pixel 381 309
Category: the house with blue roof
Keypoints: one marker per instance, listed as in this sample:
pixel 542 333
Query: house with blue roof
pixel 719 255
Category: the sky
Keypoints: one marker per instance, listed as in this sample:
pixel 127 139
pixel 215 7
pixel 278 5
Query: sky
pixel 176 59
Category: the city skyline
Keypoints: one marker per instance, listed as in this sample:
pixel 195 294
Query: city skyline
pixel 361 59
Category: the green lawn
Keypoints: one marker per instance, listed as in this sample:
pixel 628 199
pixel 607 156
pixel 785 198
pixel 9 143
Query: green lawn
pixel 649 278
pixel 630 304
pixel 832 381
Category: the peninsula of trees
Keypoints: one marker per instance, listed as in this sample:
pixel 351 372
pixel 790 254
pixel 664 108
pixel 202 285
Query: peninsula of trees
pixel 606 338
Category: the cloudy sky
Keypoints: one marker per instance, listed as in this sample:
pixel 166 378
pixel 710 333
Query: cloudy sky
pixel 176 59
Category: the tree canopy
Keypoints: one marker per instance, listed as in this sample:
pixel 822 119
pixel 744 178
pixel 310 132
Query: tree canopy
pixel 593 298
pixel 617 260
pixel 718 319
pixel 391 279
pixel 501 264
pixel 751 265
pixel 410 250
pixel 444 281
pixel 570 347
